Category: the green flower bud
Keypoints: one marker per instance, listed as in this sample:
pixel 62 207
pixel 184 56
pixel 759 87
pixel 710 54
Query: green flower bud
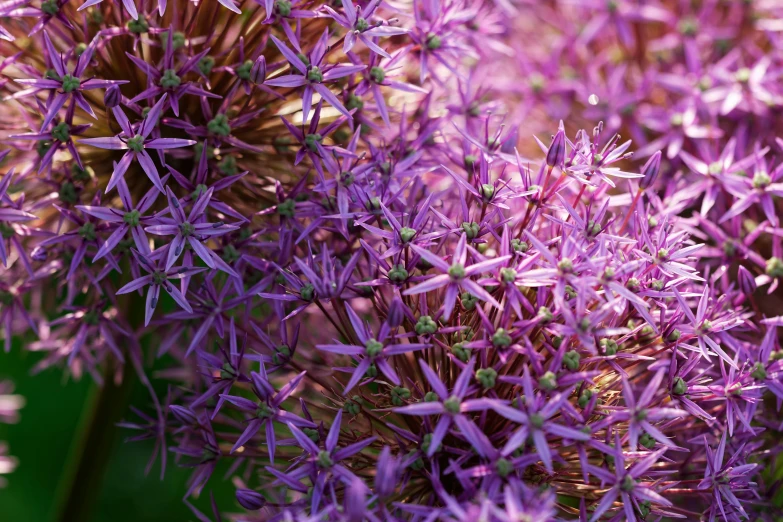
pixel 487 377
pixel 425 325
pixel 307 292
pixel 132 218
pixel 139 26
pixel 468 301
pixel 503 467
pixel 609 346
pixel 471 230
pixel 87 231
pixel 373 348
pixel 774 267
pixel 170 80
pixel 377 74
pixel 430 396
pixel 759 372
pixel 633 284
pixel 584 398
pixel 205 65
pixel 353 405
pixel 407 234
pixel 548 381
pixel 647 441
pixel 565 265
pixel 571 360
pixel 219 125
pixel 315 75
pixel 70 83
pixel 460 352
pixel 61 132
pixel 324 460
pixel 501 338
pixel 136 143
pixel 398 274
pixel 426 442
pixel 68 193
pixel 519 246
pixel 433 42
pixel 680 387
pixel 452 404
pixel 399 395
pixel 244 69
pixel 545 315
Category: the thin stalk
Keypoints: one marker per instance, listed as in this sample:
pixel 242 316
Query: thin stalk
pixel 80 484
pixel 89 455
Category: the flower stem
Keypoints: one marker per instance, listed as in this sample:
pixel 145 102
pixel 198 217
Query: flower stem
pixel 81 482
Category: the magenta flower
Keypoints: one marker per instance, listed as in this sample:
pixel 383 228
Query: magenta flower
pixel 313 74
pixel 456 276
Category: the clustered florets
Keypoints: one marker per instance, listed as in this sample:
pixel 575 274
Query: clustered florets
pixel 385 303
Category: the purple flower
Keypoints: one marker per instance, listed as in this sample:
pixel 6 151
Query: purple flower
pixel 373 351
pixel 158 277
pixel 64 84
pixel 137 142
pixel 313 74
pixel 456 276
pixel 267 411
pixel 191 230
pixel 452 407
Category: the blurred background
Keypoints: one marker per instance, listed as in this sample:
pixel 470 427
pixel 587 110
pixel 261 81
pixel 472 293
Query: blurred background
pixel 43 442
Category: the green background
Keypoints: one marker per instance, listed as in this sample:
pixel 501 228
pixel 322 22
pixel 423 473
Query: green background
pixel 42 441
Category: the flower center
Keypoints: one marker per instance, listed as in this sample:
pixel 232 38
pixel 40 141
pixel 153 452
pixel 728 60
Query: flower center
pixel 452 404
pixel 283 8
pixel 311 140
pixel 324 460
pixel 61 132
pixel 136 143
pixel 70 83
pixel 186 229
pixel 132 218
pixel 457 272
pixel 169 80
pixel 315 75
pixel 50 7
pixel 87 231
pixel 373 348
pixel 219 125
pixel 377 74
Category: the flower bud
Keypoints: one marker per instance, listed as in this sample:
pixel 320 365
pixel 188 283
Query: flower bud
pixel 184 415
pixel 386 473
pixel 555 156
pixel 650 171
pixel 747 282
pixel 258 71
pixel 250 500
pixel 395 315
pixel 112 97
pixel 38 254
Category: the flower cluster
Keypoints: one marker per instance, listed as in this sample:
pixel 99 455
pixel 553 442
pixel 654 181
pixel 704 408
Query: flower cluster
pixel 380 295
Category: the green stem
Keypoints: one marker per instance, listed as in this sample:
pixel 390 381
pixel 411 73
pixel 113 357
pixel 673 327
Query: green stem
pixel 81 482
